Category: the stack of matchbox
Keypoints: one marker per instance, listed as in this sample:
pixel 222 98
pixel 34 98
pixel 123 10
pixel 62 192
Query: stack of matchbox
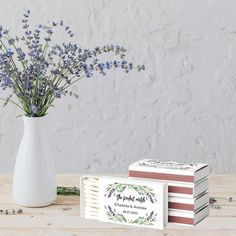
pixel 188 198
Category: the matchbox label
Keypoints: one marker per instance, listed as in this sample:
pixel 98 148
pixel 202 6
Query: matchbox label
pixel 130 203
pixel 168 164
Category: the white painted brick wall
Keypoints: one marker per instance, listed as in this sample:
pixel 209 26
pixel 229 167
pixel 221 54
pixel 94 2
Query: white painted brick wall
pixel 183 107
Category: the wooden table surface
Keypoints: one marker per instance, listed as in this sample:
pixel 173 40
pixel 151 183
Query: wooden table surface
pixel 63 218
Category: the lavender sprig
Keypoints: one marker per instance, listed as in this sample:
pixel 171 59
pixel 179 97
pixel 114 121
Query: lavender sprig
pixel 38 70
pixel 61 190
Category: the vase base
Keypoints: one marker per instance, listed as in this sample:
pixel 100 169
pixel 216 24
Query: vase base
pixel 38 205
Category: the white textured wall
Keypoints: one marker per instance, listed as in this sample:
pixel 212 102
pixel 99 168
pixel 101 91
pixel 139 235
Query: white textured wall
pixel 183 107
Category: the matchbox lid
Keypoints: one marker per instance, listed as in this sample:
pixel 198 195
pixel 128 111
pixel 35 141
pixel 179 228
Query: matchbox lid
pixel 169 170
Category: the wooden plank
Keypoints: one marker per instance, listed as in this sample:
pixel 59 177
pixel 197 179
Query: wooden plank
pixel 112 232
pixel 74 221
pixel 6 198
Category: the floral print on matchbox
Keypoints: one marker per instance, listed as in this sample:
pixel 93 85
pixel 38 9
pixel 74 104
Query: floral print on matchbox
pixel 128 201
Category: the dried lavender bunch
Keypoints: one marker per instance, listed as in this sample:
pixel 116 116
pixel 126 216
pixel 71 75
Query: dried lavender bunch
pixel 68 190
pixel 38 71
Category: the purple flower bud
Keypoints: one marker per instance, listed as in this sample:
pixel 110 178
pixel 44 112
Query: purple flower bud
pixel 33 109
pixel 9 52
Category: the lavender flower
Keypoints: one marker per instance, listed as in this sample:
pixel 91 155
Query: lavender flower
pixel 151 215
pixel 109 195
pixel 111 211
pixel 33 109
pixel 41 72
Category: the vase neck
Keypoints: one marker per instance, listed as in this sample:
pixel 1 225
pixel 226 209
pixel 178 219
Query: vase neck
pixel 33 123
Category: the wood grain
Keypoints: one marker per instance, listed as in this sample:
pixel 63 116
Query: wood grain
pixel 63 218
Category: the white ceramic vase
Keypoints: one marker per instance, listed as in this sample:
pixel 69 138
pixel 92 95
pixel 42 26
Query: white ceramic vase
pixel 34 183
